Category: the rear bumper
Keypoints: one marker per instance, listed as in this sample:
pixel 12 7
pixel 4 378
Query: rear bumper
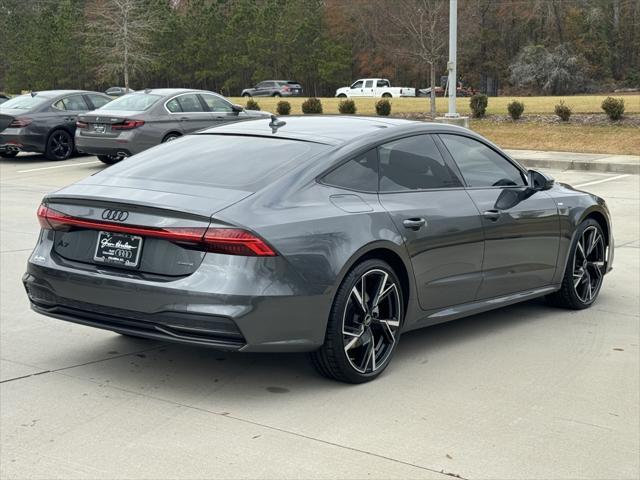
pixel 108 146
pixel 15 139
pixel 229 303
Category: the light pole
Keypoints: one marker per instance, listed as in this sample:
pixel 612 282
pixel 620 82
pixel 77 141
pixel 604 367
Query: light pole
pixel 451 65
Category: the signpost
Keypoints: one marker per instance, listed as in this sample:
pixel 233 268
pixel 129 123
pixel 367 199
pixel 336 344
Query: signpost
pixel 451 65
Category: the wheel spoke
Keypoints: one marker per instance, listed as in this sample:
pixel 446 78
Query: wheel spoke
pixel 386 327
pixel 595 238
pixel 581 249
pixel 380 290
pixel 360 301
pixel 577 277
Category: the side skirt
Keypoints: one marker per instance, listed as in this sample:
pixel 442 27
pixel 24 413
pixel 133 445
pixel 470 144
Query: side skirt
pixel 472 308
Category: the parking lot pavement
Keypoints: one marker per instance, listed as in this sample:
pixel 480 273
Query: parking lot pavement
pixel 527 391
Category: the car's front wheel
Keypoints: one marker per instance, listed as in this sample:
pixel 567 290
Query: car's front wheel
pixel 585 268
pixel 342 95
pixel 245 95
pixel 59 145
pixel 364 324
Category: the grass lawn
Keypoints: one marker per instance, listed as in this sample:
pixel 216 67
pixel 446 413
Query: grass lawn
pixel 570 137
pixel 622 140
pixel 497 105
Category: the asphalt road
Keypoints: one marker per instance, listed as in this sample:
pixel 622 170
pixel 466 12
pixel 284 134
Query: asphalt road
pixel 528 391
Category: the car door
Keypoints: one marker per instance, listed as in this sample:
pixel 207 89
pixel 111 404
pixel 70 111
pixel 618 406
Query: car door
pixel 221 110
pixel 356 90
pixel 436 218
pixel 521 225
pixel 68 109
pixel 194 114
pixel 261 90
pixel 368 89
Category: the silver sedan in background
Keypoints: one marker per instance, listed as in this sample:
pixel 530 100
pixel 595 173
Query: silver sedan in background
pixel 140 120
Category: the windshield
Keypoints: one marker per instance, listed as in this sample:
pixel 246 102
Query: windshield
pixel 24 102
pixel 136 102
pixel 223 161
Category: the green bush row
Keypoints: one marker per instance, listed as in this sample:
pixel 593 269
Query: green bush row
pixel 314 106
pixel 613 107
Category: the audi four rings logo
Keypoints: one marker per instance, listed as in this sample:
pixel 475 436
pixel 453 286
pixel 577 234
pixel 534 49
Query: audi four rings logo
pixel 115 215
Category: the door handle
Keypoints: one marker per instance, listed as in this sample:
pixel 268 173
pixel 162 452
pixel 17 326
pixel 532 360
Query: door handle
pixel 492 215
pixel 184 118
pixel 414 223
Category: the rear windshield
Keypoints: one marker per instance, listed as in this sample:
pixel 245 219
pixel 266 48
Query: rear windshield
pixel 224 161
pixel 24 102
pixel 136 102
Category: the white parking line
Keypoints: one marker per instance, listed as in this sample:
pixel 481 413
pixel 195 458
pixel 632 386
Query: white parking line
pixel 57 166
pixel 610 179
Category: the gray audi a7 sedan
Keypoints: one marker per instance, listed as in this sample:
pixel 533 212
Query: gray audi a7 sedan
pixel 332 235
pixel 44 122
pixel 140 120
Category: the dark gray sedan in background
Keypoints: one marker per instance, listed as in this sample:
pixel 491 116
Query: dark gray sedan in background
pixel 140 120
pixel 44 122
pixel 274 88
pixel 332 235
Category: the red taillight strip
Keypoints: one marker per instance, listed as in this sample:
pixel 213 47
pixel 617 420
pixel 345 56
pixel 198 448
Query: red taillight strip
pixel 233 241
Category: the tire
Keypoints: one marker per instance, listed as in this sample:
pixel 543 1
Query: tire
pixel 355 328
pixel 8 154
pixel 110 159
pixel 584 272
pixel 276 95
pixel 386 95
pixel 170 137
pixel 342 95
pixel 245 95
pixel 60 145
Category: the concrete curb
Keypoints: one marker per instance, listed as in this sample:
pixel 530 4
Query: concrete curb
pixel 578 161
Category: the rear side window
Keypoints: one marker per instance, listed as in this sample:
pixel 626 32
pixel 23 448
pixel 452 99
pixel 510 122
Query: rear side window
pixel 225 161
pixel 136 102
pixel 74 103
pixel 190 103
pixel 173 106
pixel 414 163
pixel 480 165
pixel 360 173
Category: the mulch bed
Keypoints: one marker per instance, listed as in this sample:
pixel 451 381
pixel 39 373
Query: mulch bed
pixel 591 119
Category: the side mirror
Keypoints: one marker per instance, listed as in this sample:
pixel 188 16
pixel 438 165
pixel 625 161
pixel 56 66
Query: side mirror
pixel 540 181
pixel 237 108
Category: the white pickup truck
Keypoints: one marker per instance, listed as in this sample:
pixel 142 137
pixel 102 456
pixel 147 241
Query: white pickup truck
pixel 374 87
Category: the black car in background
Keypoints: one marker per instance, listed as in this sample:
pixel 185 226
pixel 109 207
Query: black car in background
pixel 274 88
pixel 45 122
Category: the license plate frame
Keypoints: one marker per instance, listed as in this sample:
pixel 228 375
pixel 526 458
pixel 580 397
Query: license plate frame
pixel 118 249
pixel 100 128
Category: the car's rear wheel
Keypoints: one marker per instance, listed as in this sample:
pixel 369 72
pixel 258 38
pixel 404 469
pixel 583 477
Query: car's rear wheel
pixel 386 95
pixel 110 159
pixel 8 154
pixel 364 324
pixel 59 145
pixel 342 95
pixel 170 137
pixel 585 268
pixel 276 94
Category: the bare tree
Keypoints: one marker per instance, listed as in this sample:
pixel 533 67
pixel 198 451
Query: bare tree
pixel 414 29
pixel 120 33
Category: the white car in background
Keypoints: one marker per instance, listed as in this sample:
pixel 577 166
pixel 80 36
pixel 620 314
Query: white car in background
pixel 374 87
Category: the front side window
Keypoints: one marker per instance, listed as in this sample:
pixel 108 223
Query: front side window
pixel 358 84
pixel 414 163
pixel 360 173
pixel 480 165
pixel 215 103
pixel 190 103
pixel 98 100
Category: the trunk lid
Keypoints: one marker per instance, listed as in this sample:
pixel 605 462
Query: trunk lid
pixel 97 206
pixel 108 117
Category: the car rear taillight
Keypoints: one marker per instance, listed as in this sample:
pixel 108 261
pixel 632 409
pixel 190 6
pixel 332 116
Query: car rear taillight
pixel 127 125
pixel 285 88
pixel 230 241
pixel 20 122
pixel 80 124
